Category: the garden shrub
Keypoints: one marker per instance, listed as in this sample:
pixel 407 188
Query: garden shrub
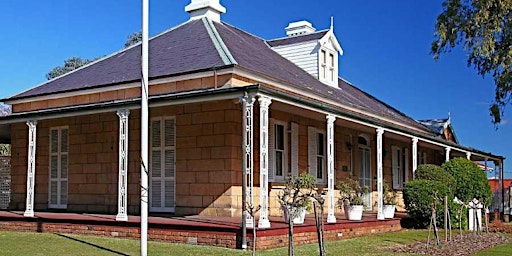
pixel 435 173
pixel 419 197
pixel 471 182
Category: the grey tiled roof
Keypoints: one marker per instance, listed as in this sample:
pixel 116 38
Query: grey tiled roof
pixel 252 53
pixel 193 46
pixel 183 49
pixel 297 39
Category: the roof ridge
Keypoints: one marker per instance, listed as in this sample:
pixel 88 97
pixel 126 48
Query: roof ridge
pixel 287 37
pixel 98 60
pixel 237 28
pixel 218 43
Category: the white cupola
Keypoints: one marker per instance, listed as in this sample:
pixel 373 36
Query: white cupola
pixel 299 28
pixel 211 9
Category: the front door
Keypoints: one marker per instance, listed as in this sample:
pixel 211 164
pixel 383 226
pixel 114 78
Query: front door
pixel 162 166
pixel 365 178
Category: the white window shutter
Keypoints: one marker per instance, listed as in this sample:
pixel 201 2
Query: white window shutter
pixel 295 150
pixel 271 150
pixel 64 141
pixel 169 132
pixel 54 146
pixel 59 162
pixel 163 165
pixel 156 164
pixel 53 192
pixel 155 134
pixel 312 150
pixel 169 163
pixel 169 194
pixel 395 151
pixel 406 165
pixel 64 192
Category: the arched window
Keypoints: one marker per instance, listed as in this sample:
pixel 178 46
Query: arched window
pixel 362 140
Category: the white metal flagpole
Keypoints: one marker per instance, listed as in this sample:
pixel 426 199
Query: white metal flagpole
pixel 144 170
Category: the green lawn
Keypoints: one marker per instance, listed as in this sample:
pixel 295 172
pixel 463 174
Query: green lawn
pixel 504 249
pixel 14 243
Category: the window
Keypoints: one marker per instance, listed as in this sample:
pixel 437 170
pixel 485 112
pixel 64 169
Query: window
pixel 422 157
pixel 323 64
pixel 316 154
pixel 59 158
pixel 278 150
pixel 365 171
pixel 331 67
pixel 320 156
pixel 400 163
pixel 327 66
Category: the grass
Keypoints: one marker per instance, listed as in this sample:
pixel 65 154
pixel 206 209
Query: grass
pixel 15 243
pixel 504 249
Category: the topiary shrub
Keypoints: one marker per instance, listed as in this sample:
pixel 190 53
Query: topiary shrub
pixel 471 182
pixel 419 197
pixel 436 173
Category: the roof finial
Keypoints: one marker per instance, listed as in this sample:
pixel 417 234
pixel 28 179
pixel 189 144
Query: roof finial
pixel 449 116
pixel 332 22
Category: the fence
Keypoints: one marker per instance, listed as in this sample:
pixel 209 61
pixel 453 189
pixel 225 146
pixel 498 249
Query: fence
pixel 5 181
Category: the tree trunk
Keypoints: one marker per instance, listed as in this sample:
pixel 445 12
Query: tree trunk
pixel 290 236
pixel 323 252
pixel 253 238
pixel 319 229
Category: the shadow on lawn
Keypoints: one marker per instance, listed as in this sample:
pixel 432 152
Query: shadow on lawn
pixel 93 245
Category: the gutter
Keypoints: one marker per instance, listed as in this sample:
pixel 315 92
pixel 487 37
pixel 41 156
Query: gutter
pixel 154 101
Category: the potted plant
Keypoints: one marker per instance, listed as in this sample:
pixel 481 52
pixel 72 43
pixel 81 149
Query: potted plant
pixel 295 197
pixel 351 198
pixel 389 201
pixel 299 212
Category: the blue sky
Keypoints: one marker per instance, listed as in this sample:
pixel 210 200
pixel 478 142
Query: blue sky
pixel 386 50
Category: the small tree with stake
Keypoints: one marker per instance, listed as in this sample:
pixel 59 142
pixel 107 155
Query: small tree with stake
pixel 252 210
pixel 319 220
pixel 296 193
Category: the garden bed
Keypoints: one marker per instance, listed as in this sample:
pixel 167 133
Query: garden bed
pixel 467 244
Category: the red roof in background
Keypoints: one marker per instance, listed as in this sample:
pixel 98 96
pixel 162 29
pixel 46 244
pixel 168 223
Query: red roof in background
pixel 495 183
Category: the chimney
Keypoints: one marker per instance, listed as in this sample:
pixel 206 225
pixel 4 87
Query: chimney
pixel 299 28
pixel 205 8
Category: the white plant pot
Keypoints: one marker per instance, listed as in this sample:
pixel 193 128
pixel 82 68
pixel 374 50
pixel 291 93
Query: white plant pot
pixel 354 212
pixel 301 214
pixel 389 211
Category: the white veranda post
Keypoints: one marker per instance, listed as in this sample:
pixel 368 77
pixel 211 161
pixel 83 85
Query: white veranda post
pixel 248 154
pixel 380 214
pixel 468 156
pixel 31 170
pixel 447 154
pixel 414 156
pixel 330 169
pixel 264 108
pixel 122 191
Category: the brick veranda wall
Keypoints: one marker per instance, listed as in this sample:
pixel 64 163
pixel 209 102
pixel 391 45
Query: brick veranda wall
pixel 229 237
